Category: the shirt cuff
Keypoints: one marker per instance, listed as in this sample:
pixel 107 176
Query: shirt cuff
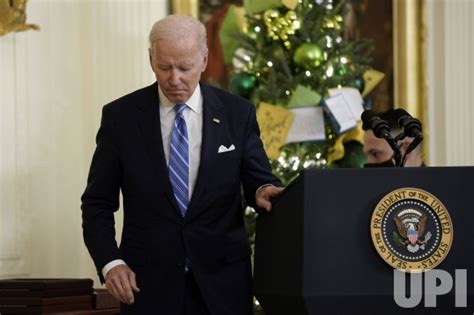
pixel 260 188
pixel 111 265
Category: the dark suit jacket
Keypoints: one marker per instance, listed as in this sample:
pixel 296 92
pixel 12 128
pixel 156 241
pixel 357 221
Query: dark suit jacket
pixel 156 239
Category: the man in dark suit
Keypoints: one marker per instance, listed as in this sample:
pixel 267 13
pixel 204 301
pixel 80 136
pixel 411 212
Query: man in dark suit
pixel 179 151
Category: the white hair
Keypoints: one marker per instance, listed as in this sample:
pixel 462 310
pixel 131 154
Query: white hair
pixel 177 27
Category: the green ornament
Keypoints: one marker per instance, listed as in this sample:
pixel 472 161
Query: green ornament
pixel 341 70
pixel 243 84
pixel 308 55
pixel 358 83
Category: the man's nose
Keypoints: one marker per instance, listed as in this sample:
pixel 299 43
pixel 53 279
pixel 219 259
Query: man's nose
pixel 175 77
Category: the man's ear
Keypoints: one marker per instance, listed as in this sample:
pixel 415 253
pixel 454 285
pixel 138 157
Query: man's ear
pixel 414 158
pixel 404 144
pixel 150 58
pixel 204 62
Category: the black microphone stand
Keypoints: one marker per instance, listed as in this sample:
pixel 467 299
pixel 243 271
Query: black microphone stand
pixel 411 128
pixel 413 144
pixel 397 155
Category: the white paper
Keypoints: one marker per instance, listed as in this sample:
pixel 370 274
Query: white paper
pixel 308 125
pixel 353 99
pixel 341 112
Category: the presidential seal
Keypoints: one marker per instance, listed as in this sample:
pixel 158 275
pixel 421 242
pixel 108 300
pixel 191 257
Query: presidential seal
pixel 411 230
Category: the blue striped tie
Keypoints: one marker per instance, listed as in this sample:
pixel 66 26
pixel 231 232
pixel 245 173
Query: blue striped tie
pixel 178 166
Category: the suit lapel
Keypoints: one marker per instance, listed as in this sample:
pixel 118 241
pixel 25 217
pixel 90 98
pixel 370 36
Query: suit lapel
pixel 149 125
pixel 212 109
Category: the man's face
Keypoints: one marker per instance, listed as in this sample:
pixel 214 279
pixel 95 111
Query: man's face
pixel 376 149
pixel 177 65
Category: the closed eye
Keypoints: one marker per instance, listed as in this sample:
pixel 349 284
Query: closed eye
pixel 164 68
pixel 373 153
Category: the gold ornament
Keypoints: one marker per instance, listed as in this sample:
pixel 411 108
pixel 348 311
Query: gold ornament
pixel 308 55
pixel 334 23
pixel 281 27
pixel 270 17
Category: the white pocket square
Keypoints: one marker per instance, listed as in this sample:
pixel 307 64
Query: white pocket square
pixel 223 149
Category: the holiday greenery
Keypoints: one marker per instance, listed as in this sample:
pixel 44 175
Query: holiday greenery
pixel 294 44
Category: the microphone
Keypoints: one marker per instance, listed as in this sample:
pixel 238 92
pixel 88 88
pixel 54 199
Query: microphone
pixel 411 126
pixel 373 122
pixel 381 129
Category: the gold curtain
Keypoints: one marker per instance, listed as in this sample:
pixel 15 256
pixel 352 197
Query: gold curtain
pixel 408 56
pixel 409 60
pixel 186 7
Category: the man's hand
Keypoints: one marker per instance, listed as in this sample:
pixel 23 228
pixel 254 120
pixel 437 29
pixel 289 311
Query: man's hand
pixel 120 282
pixel 265 194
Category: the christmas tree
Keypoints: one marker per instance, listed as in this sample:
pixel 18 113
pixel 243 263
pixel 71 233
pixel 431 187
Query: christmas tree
pixel 291 50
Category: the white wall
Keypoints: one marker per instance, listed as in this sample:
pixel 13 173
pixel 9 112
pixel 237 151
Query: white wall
pixel 53 84
pixel 450 81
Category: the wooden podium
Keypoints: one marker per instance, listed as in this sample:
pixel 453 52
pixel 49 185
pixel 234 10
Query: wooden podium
pixel 55 296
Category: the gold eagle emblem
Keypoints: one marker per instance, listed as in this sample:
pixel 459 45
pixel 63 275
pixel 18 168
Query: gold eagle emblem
pixel 410 225
pixel 13 17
